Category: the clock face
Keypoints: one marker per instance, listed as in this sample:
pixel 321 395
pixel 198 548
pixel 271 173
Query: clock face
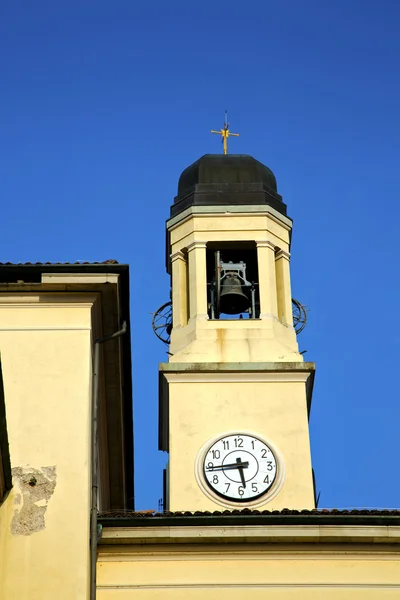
pixel 239 467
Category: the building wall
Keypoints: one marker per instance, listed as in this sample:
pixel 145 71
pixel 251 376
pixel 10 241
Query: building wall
pixel 268 405
pixel 46 354
pixel 251 571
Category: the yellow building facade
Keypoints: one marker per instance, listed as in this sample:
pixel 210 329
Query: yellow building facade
pixel 50 319
pixel 266 556
pixel 240 518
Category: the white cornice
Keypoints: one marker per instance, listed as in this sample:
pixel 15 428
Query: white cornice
pixel 238 367
pixel 284 534
pixel 238 377
pixel 242 210
pixel 94 278
pixel 46 300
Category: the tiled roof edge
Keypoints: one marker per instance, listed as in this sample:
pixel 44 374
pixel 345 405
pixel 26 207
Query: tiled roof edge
pixel 361 517
pixel 110 261
pixel 148 514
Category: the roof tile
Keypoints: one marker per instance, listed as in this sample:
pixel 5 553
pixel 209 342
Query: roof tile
pixel 121 514
pixel 110 261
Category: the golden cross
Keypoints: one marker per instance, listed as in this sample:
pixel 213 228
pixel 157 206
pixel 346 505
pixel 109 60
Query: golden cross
pixel 225 133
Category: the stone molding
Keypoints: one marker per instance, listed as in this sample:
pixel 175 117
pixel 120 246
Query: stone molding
pixel 196 245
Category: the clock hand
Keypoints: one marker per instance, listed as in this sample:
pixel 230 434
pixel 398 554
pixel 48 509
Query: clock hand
pixel 243 465
pixel 240 467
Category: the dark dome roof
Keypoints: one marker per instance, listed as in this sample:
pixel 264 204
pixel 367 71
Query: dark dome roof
pixel 228 168
pixel 227 180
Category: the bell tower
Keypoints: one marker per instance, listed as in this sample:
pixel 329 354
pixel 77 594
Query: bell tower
pixel 235 394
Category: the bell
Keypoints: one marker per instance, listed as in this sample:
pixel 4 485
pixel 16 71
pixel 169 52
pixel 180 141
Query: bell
pixel 232 300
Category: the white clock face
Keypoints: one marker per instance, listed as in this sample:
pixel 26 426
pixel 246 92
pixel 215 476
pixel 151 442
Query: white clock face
pixel 239 467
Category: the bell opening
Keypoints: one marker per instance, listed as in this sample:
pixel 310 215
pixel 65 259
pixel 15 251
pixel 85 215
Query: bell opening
pixel 232 281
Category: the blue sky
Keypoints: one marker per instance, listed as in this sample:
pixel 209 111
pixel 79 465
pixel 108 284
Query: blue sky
pixel 103 104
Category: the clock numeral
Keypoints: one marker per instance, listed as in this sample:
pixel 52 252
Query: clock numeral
pixel 269 465
pixel 240 490
pixel 264 453
pixel 226 444
pixel 216 453
pixel 228 485
pixel 238 442
pixel 210 466
pixel 254 488
pixel 252 444
pixel 215 479
pixel 266 480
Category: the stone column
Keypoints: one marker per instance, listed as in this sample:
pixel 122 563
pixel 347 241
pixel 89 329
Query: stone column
pixel 267 280
pixel 179 289
pixel 285 314
pixel 197 280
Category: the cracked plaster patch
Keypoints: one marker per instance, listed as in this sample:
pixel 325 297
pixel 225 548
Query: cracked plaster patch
pixel 35 487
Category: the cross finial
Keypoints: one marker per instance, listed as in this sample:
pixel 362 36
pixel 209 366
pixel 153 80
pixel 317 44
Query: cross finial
pixel 225 133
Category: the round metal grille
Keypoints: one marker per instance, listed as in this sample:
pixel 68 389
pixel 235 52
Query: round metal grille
pixel 299 316
pixel 162 322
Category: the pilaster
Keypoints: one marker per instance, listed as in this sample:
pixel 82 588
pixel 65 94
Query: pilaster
pixel 284 295
pixel 179 289
pixel 267 279
pixel 197 280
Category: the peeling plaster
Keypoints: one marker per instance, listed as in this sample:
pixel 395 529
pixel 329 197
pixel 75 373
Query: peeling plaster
pixel 35 488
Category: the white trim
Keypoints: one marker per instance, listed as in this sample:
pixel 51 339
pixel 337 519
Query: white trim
pixel 47 305
pixel 236 551
pixel 255 534
pixel 243 586
pixel 92 278
pixel 48 299
pixel 237 377
pixel 229 210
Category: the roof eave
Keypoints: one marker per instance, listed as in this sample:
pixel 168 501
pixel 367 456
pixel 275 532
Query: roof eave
pixel 224 520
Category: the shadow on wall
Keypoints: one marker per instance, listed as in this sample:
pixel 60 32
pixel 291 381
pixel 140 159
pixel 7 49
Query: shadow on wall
pixel 5 465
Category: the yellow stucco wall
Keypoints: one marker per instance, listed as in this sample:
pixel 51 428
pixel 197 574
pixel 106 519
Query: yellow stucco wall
pixel 268 405
pixel 46 349
pixel 260 571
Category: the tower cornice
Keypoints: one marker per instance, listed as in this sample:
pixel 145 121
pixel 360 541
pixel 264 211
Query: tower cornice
pixel 243 210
